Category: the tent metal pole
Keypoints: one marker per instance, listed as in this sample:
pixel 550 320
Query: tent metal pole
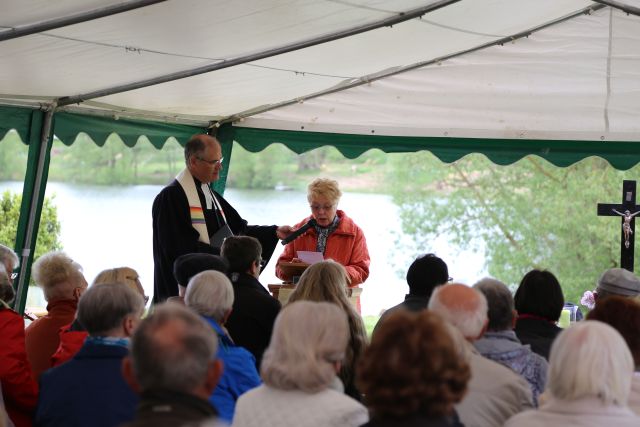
pixel 26 254
pixel 632 10
pixel 396 19
pixel 377 76
pixel 74 19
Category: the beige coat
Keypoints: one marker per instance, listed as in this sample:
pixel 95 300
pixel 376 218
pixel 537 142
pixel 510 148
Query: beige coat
pixel 495 393
pixel 589 412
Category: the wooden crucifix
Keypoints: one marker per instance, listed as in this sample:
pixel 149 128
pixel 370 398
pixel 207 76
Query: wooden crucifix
pixel 627 212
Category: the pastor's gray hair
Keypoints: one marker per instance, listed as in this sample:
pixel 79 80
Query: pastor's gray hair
pixel 590 359
pixel 103 307
pixel 171 349
pixel 465 308
pixel 308 339
pixel 500 302
pixel 8 257
pixel 210 293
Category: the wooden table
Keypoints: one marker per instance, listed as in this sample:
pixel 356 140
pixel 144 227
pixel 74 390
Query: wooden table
pixel 282 292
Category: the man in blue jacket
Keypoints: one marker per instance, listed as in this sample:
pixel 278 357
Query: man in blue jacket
pixel 89 390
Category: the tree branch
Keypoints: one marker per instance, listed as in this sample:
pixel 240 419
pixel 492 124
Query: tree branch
pixel 539 167
pixel 485 205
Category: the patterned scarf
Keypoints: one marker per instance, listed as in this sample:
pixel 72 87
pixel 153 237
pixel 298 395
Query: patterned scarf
pixel 323 234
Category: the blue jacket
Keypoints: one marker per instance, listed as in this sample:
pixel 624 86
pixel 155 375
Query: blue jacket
pixel 239 374
pixel 88 390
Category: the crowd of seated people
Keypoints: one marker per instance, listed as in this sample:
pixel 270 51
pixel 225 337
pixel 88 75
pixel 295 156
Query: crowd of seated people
pixel 449 355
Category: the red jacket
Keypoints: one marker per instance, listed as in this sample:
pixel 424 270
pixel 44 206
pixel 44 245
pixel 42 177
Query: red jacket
pixel 41 336
pixel 345 245
pixel 19 389
pixel 70 344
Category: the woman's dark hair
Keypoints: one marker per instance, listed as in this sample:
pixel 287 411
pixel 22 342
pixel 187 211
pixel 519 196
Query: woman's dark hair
pixel 540 294
pixel 412 366
pixel 623 314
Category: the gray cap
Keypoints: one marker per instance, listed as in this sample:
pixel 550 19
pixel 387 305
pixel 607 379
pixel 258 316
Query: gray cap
pixel 620 282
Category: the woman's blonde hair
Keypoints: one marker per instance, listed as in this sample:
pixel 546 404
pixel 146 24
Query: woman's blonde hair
pixel 58 275
pixel 123 275
pixel 326 281
pixel 325 188
pixel 308 339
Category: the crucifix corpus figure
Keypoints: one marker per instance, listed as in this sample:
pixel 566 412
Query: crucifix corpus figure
pixel 626 225
pixel 627 210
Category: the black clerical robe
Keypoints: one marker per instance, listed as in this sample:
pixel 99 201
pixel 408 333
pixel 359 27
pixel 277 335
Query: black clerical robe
pixel 173 234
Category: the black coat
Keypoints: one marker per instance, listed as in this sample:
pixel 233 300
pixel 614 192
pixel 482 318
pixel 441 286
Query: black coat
pixel 254 312
pixel 173 234
pixel 538 333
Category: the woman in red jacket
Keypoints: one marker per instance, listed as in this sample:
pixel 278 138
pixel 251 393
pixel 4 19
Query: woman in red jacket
pixel 19 389
pixel 335 235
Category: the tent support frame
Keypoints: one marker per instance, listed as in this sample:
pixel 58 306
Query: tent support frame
pixel 396 19
pixel 384 74
pixel 31 207
pixel 75 19
pixel 632 10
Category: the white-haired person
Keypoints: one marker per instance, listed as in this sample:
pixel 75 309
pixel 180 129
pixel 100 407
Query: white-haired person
pixel 335 235
pixel 89 389
pixel 72 336
pixel 19 389
pixel 325 282
pixel 210 294
pixel 62 283
pixel 298 369
pixel 590 369
pixel 9 261
pixel 495 392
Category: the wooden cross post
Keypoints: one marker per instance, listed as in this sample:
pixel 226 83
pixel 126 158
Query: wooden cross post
pixel 626 211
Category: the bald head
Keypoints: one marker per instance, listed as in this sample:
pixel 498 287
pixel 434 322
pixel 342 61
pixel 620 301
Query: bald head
pixel 203 156
pixel 464 307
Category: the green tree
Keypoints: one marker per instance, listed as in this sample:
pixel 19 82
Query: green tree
pixel 527 215
pixel 48 232
pixel 13 157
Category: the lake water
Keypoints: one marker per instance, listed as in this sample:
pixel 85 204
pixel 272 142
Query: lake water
pixel 107 226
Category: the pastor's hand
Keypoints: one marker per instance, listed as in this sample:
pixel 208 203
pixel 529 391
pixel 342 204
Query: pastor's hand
pixel 283 231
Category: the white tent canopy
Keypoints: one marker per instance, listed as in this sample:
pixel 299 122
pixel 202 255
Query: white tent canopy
pixel 565 78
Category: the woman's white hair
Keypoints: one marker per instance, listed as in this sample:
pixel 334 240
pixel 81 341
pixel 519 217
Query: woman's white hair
pixel 210 293
pixel 308 339
pixel 58 275
pixel 590 359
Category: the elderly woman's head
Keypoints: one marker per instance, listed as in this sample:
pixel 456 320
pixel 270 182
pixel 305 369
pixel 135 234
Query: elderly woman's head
pixel 413 366
pixel 210 294
pixel 123 275
pixel 59 276
pixel 307 346
pixel 9 261
pixel 323 196
pixel 7 294
pixel 590 360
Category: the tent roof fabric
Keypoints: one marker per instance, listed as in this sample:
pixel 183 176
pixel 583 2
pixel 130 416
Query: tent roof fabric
pixel 566 77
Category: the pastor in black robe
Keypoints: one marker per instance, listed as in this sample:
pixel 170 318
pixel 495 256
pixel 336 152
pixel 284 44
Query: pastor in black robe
pixel 173 234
